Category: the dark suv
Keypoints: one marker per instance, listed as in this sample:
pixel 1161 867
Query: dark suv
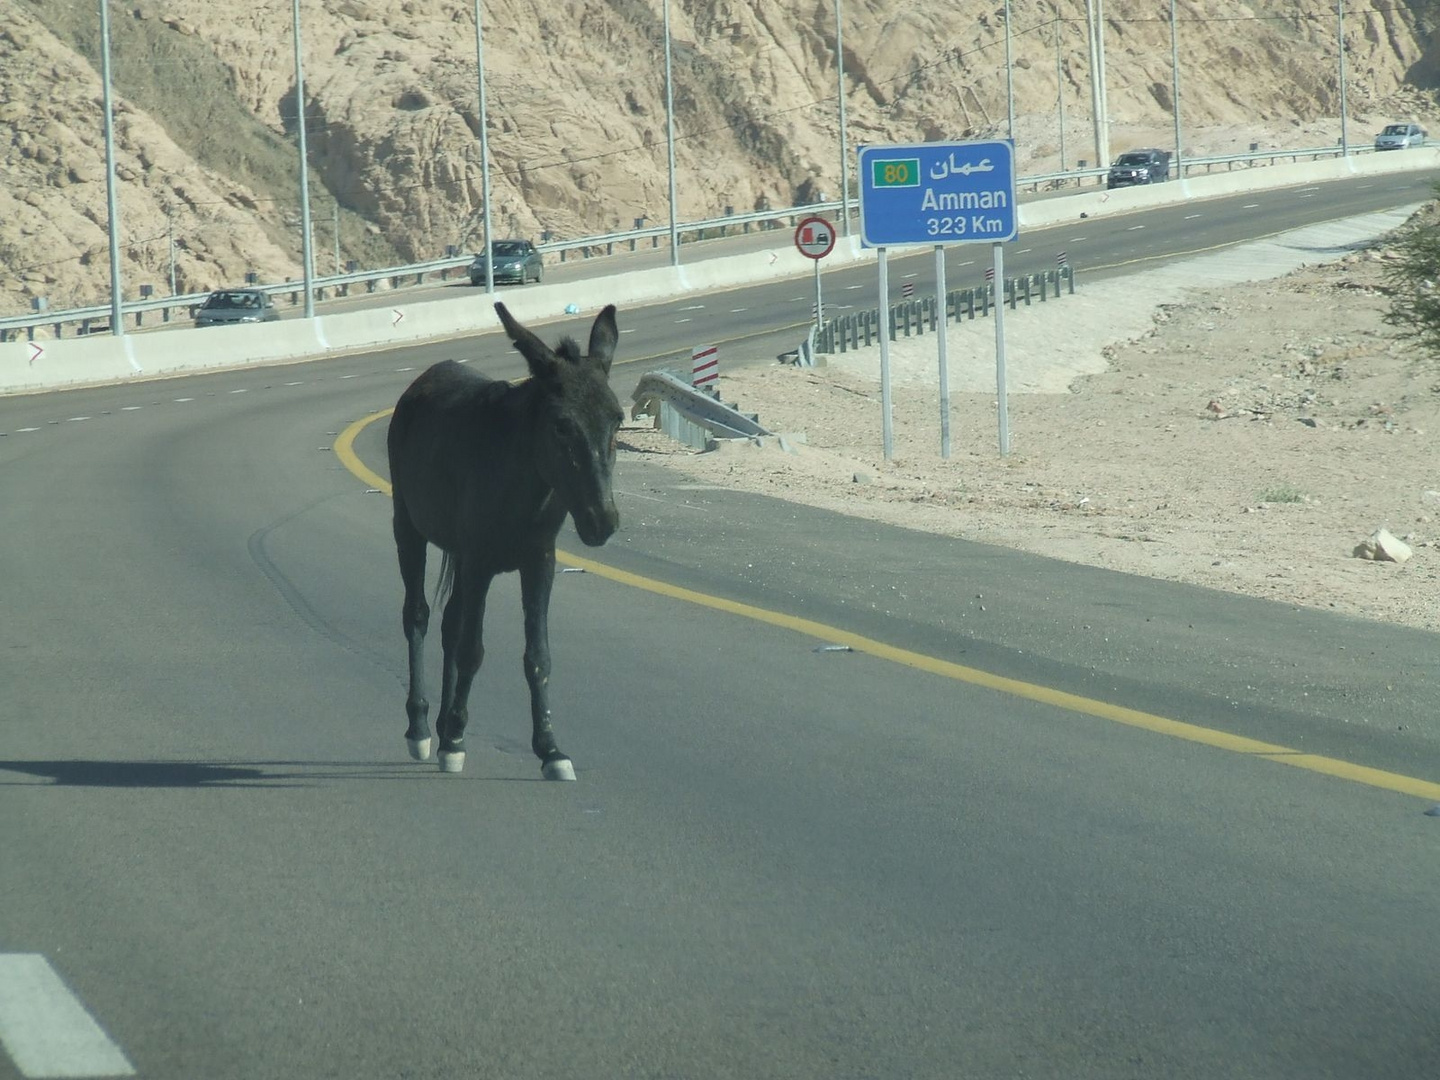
pixel 1139 167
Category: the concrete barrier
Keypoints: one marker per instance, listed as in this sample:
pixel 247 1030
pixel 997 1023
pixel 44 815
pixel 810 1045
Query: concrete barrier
pixel 1101 203
pixel 27 367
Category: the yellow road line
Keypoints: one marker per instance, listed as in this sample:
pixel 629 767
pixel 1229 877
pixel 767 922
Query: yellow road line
pixel 1044 695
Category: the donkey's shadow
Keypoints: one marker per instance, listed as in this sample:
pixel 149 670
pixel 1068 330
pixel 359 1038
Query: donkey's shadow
pixel 196 774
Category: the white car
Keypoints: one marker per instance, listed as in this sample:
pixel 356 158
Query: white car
pixel 1400 137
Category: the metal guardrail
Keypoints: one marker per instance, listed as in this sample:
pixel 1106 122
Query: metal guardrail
pixel 908 318
pixel 97 318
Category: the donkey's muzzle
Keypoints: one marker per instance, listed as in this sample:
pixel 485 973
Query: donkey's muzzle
pixel 597 526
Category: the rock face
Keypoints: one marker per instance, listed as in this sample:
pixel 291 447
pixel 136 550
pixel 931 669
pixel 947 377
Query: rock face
pixel 205 115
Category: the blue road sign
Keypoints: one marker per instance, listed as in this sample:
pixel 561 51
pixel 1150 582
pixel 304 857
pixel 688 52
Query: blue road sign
pixel 938 193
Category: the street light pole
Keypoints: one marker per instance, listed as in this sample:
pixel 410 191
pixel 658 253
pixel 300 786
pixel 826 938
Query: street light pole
pixel 484 155
pixel 1344 137
pixel 1059 89
pixel 1095 29
pixel 1009 79
pixel 670 143
pixel 844 148
pixel 307 251
pixel 1175 88
pixel 117 317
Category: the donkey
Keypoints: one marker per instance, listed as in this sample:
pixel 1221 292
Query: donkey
pixel 486 470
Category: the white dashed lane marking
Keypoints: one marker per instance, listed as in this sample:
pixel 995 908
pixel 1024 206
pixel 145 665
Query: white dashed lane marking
pixel 45 1029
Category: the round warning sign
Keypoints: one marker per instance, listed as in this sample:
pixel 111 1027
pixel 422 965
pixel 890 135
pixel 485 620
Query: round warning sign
pixel 815 237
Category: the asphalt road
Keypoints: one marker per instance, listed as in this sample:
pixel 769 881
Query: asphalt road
pixel 1039 821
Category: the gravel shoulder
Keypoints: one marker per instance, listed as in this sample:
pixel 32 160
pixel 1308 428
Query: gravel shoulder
pixel 1244 428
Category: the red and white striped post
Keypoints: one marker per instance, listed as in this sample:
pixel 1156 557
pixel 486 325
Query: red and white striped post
pixel 704 366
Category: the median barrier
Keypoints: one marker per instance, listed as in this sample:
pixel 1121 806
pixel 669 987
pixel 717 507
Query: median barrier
pixel 27 367
pixel 1101 202
pixel 191 348
pixel 732 271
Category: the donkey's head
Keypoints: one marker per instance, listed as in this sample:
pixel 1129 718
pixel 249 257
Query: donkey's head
pixel 576 421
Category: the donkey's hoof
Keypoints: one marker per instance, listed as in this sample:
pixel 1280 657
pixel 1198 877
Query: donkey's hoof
pixel 559 769
pixel 452 760
pixel 419 749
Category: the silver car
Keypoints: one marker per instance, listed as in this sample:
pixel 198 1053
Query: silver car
pixel 227 306
pixel 1400 137
pixel 515 260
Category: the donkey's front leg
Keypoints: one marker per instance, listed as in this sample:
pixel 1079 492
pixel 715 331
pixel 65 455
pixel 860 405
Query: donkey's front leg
pixel 537 575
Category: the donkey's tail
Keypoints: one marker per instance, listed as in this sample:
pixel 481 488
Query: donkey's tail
pixel 446 585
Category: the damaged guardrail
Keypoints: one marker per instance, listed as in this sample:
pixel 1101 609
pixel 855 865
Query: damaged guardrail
pixel 688 415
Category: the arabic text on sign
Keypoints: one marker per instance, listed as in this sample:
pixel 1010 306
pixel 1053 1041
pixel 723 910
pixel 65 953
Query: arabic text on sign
pixel 950 167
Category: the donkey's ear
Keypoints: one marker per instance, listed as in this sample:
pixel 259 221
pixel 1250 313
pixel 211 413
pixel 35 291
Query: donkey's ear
pixel 603 337
pixel 542 360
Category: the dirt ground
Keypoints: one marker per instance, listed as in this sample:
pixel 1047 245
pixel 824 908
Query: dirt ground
pixel 1245 437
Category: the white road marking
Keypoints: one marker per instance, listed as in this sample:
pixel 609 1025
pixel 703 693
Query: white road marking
pixel 131 408
pixel 1251 206
pixel 242 390
pixel 1189 216
pixel 1024 251
pixel 1133 228
pixel 302 384
pixel 20 431
pixel 180 399
pixel 44 1027
pixel 852 287
pixel 679 321
pixel 1077 239
pixel 737 310
pixel 76 419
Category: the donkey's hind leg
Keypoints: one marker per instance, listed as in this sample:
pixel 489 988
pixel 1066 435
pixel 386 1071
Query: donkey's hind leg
pixel 462 634
pixel 415 616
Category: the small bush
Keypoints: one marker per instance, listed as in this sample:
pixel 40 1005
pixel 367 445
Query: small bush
pixel 1414 281
pixel 1282 493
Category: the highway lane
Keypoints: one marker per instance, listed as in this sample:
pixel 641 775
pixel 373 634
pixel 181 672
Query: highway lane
pixel 777 861
pixel 755 323
pixel 1101 246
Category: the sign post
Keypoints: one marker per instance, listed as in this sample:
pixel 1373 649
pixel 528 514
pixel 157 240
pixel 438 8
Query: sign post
pixel 815 238
pixel 938 194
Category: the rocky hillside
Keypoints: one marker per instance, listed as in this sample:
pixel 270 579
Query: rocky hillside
pixel 205 113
